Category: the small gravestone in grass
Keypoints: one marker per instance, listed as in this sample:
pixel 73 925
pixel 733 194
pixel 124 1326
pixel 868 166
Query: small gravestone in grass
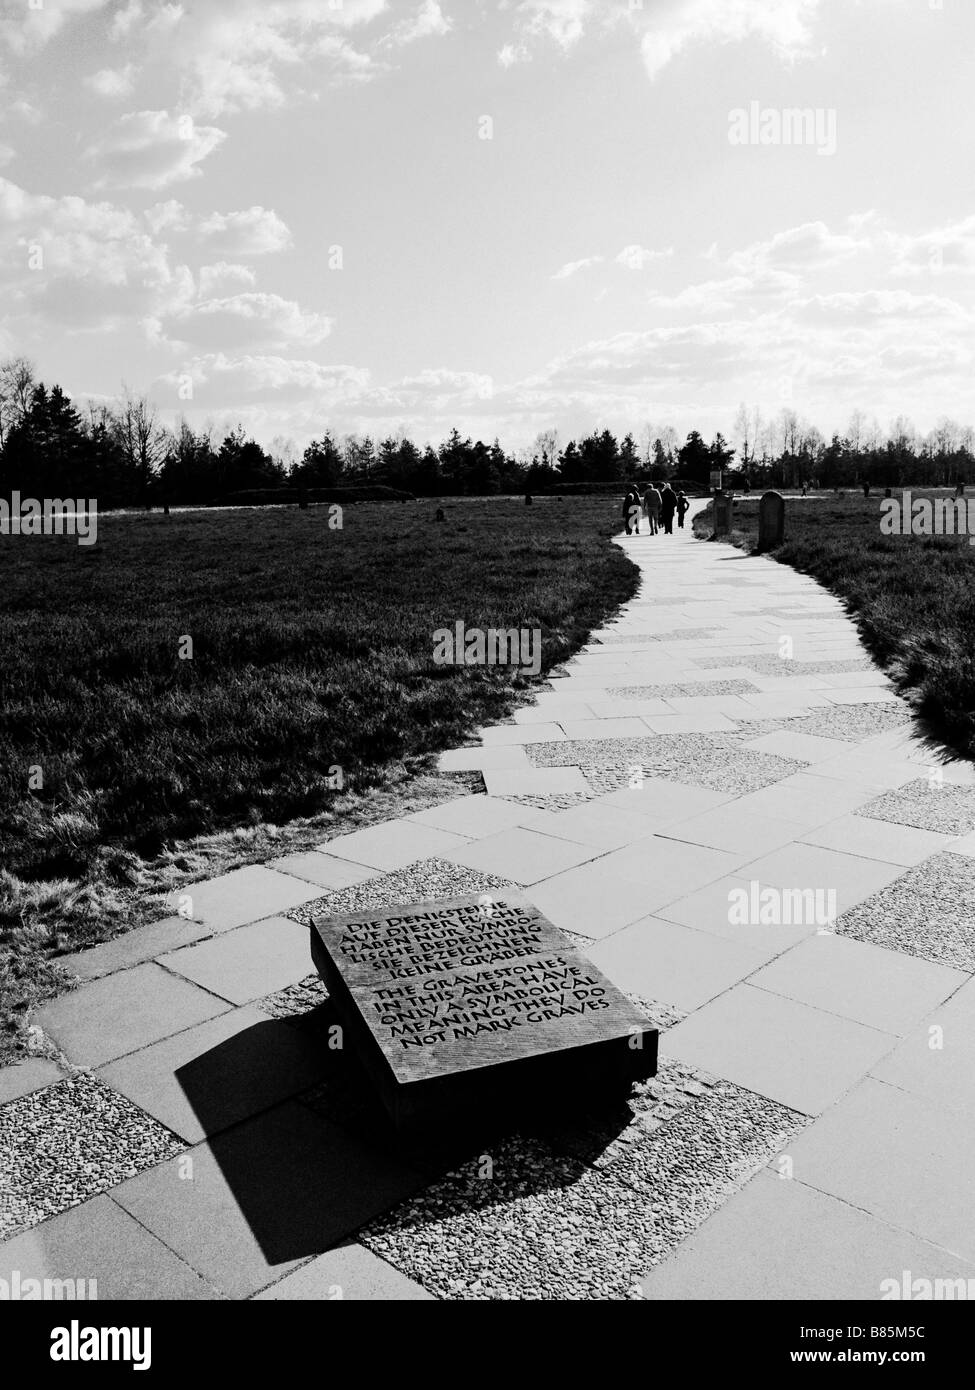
pixel 771 521
pixel 468 1008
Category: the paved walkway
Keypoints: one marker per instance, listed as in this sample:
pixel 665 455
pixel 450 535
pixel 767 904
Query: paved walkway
pixel 724 802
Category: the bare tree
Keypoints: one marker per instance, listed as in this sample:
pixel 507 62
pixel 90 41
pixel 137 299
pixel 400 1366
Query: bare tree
pixel 141 437
pixel 17 384
pixel 743 437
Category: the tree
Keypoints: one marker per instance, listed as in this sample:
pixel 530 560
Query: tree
pixel 629 458
pixel 142 440
pixel 321 464
pixel 17 383
pixel 694 459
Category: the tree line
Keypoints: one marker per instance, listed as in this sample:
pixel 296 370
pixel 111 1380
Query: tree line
pixel 120 453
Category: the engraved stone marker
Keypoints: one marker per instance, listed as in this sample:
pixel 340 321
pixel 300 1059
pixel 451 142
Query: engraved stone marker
pixel 723 504
pixel 471 1005
pixel 771 521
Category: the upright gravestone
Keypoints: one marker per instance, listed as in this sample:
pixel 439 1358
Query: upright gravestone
pixel 723 504
pixel 771 521
pixel 469 1007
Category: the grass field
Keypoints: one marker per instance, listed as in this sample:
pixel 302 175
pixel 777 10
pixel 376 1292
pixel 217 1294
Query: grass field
pixel 312 650
pixel 913 598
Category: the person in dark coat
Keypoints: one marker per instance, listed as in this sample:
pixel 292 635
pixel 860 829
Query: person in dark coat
pixel 668 505
pixel 683 507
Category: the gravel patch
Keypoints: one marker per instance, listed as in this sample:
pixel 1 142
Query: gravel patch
pixel 669 692
pixel 697 760
pixel 777 666
pixel 297 1000
pixel 559 801
pixel 849 723
pixel 581 1213
pixel 427 878
pixel 945 808
pixel 68 1142
pixel 928 912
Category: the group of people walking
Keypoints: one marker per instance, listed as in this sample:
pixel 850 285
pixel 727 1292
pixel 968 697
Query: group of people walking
pixel 658 506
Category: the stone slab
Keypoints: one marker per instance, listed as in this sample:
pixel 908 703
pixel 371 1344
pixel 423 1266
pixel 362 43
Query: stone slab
pixel 25 1077
pixel 133 947
pixel 350 1273
pixel 208 1078
pixel 246 963
pixel 522 855
pixel 393 844
pixel 250 1205
pixel 468 1004
pixel 855 979
pixel 320 867
pixel 900 1157
pixel 778 1239
pixel 121 1013
pixel 241 896
pixel 801 1057
pixel 101 1242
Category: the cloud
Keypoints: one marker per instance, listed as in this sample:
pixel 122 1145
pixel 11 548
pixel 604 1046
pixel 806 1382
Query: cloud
pixel 95 263
pixel 639 257
pixel 252 319
pixel 665 28
pixel 113 82
pixel 254 231
pixel 948 248
pixel 811 246
pixel 428 21
pixel 30 28
pixel 224 379
pixel 573 267
pixel 152 149
pixel 223 276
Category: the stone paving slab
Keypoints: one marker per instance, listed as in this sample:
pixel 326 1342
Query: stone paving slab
pixel 871 839
pixel 100 1242
pixel 802 866
pixel 590 900
pixel 27 1076
pixel 899 1157
pixel 524 856
pixel 121 1013
pixel 246 963
pixel 206 1079
pixel 936 1061
pixel 477 816
pixel 673 964
pixel 241 896
pixel 252 1204
pixel 393 844
pixel 481 759
pixel 351 1273
pixel 778 1239
pixel 884 989
pixel 535 781
pixel 133 947
pixel 799 1056
pixel 323 869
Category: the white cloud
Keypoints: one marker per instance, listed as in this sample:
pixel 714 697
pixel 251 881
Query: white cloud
pixel 639 257
pixel 573 267
pixel 948 248
pixel 112 82
pixel 249 319
pixel 254 231
pixel 808 247
pixel 28 28
pixel 223 276
pixel 152 149
pixel 428 21
pixel 7 154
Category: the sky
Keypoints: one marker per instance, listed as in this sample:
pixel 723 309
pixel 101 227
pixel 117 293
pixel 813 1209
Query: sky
pixel 378 216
